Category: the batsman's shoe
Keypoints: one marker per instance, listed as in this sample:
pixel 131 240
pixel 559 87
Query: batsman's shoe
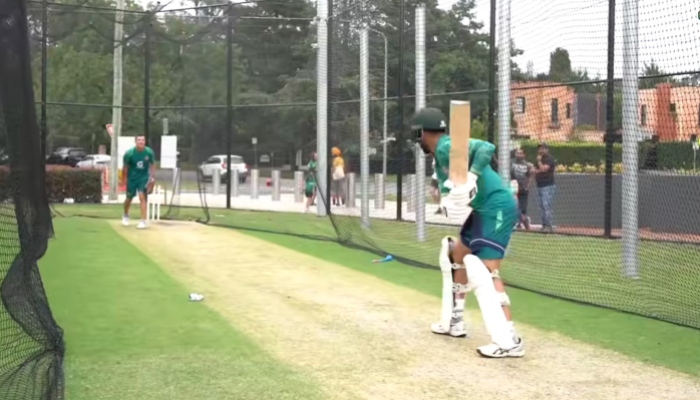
pixel 125 220
pixel 494 351
pixel 458 330
pixel 141 225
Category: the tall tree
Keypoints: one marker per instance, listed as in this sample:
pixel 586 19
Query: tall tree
pixel 560 65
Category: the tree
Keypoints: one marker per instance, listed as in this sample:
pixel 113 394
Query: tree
pixel 652 75
pixel 560 65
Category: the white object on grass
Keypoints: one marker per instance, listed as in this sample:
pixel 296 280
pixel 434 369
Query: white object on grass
pixel 196 297
pixel 154 201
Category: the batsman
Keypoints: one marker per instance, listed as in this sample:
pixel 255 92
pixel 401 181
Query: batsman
pixel 487 211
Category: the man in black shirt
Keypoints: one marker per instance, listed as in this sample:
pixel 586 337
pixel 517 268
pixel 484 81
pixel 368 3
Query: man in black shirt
pixel 544 176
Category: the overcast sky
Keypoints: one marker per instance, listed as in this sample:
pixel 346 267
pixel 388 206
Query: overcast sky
pixel 669 32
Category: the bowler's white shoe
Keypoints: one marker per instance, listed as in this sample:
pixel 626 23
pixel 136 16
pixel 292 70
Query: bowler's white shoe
pixel 125 220
pixel 141 225
pixel 458 329
pixel 494 351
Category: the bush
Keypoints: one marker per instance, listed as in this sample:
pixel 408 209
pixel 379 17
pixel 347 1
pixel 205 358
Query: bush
pixel 62 182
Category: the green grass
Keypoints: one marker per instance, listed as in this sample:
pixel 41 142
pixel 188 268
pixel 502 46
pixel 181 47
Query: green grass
pixel 131 333
pixel 586 269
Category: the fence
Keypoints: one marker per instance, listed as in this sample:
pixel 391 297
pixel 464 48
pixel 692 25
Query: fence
pixel 601 84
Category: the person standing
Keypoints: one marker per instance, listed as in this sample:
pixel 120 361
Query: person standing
pixel 139 171
pixel 338 186
pixel 521 172
pixel 544 176
pixel 310 187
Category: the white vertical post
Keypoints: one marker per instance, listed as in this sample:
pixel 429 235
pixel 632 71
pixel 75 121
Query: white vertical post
pixel 379 192
pixel 351 193
pixel 364 127
pixel 504 92
pixel 216 182
pixel 299 186
pixel 322 103
pixel 276 185
pixel 630 137
pixel 418 188
pixel 254 183
pixel 234 182
pixel 386 114
pixel 116 101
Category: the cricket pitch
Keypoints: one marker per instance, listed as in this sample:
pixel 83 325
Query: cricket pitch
pixel 364 338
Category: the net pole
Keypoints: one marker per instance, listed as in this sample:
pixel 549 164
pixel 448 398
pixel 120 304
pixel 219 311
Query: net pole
pixel 147 81
pixel 116 101
pixel 229 102
pixel 399 122
pixel 609 115
pixel 329 102
pixel 364 126
pixel 322 103
pixel 419 187
pixel 492 72
pixel 44 79
pixel 630 140
pixel 385 126
pixel 504 93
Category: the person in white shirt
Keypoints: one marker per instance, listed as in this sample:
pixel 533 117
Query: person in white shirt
pixel 435 189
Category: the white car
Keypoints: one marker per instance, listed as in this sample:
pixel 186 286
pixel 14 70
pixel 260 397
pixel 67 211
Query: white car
pixel 219 162
pixel 99 161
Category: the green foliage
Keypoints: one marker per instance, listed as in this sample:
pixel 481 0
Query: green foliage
pixel 81 185
pixel 560 65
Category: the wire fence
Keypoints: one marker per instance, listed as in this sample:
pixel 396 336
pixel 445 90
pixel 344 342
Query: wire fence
pixel 278 84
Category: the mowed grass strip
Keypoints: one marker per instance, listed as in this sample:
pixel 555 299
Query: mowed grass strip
pixel 131 332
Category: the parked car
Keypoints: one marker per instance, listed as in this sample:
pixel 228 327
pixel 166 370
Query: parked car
pixel 99 161
pixel 66 156
pixel 219 162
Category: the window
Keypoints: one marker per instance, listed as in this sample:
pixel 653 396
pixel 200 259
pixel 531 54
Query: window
pixel 520 105
pixel 643 117
pixel 568 110
pixel 213 160
pixel 555 111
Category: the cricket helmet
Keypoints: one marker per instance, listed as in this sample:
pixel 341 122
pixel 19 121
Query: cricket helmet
pixel 427 120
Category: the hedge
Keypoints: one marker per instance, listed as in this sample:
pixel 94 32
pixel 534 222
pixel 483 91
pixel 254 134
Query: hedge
pixel 669 155
pixel 62 182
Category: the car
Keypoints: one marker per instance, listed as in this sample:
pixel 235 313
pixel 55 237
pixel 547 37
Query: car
pixel 70 156
pixel 99 161
pixel 218 162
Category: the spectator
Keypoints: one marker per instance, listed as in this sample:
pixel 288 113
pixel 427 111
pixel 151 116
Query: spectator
pixel 435 189
pixel 338 186
pixel 522 172
pixel 310 187
pixel 544 176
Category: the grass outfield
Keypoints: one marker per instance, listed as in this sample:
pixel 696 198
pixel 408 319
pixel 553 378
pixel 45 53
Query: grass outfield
pixel 131 333
pixel 583 268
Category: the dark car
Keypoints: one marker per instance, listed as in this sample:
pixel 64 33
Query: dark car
pixel 70 156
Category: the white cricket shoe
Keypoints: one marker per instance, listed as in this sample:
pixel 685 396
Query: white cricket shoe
pixel 141 225
pixel 125 220
pixel 494 351
pixel 457 330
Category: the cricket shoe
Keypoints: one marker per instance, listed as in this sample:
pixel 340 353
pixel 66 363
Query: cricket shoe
pixel 125 220
pixel 494 351
pixel 458 330
pixel 141 225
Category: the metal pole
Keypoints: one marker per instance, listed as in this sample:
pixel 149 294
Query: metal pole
pixel 399 130
pixel 216 182
pixel 492 73
pixel 385 126
pixel 254 183
pixel 411 201
pixel 299 186
pixel 235 181
pixel 630 140
pixel 116 100
pixel 364 127
pixel 229 102
pixel 610 128
pixel 329 102
pixel 418 186
pixel 44 80
pixel 504 93
pixel 379 192
pixel 322 104
pixel 352 195
pixel 147 81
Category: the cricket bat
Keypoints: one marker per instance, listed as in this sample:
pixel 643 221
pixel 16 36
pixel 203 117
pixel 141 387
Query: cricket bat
pixel 460 132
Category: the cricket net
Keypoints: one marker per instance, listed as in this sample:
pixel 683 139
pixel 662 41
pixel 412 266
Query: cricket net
pixel 31 343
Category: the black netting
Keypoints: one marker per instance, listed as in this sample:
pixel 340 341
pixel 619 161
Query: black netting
pixel 31 342
pixel 559 95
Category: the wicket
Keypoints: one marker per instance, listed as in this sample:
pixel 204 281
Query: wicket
pixel 154 202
